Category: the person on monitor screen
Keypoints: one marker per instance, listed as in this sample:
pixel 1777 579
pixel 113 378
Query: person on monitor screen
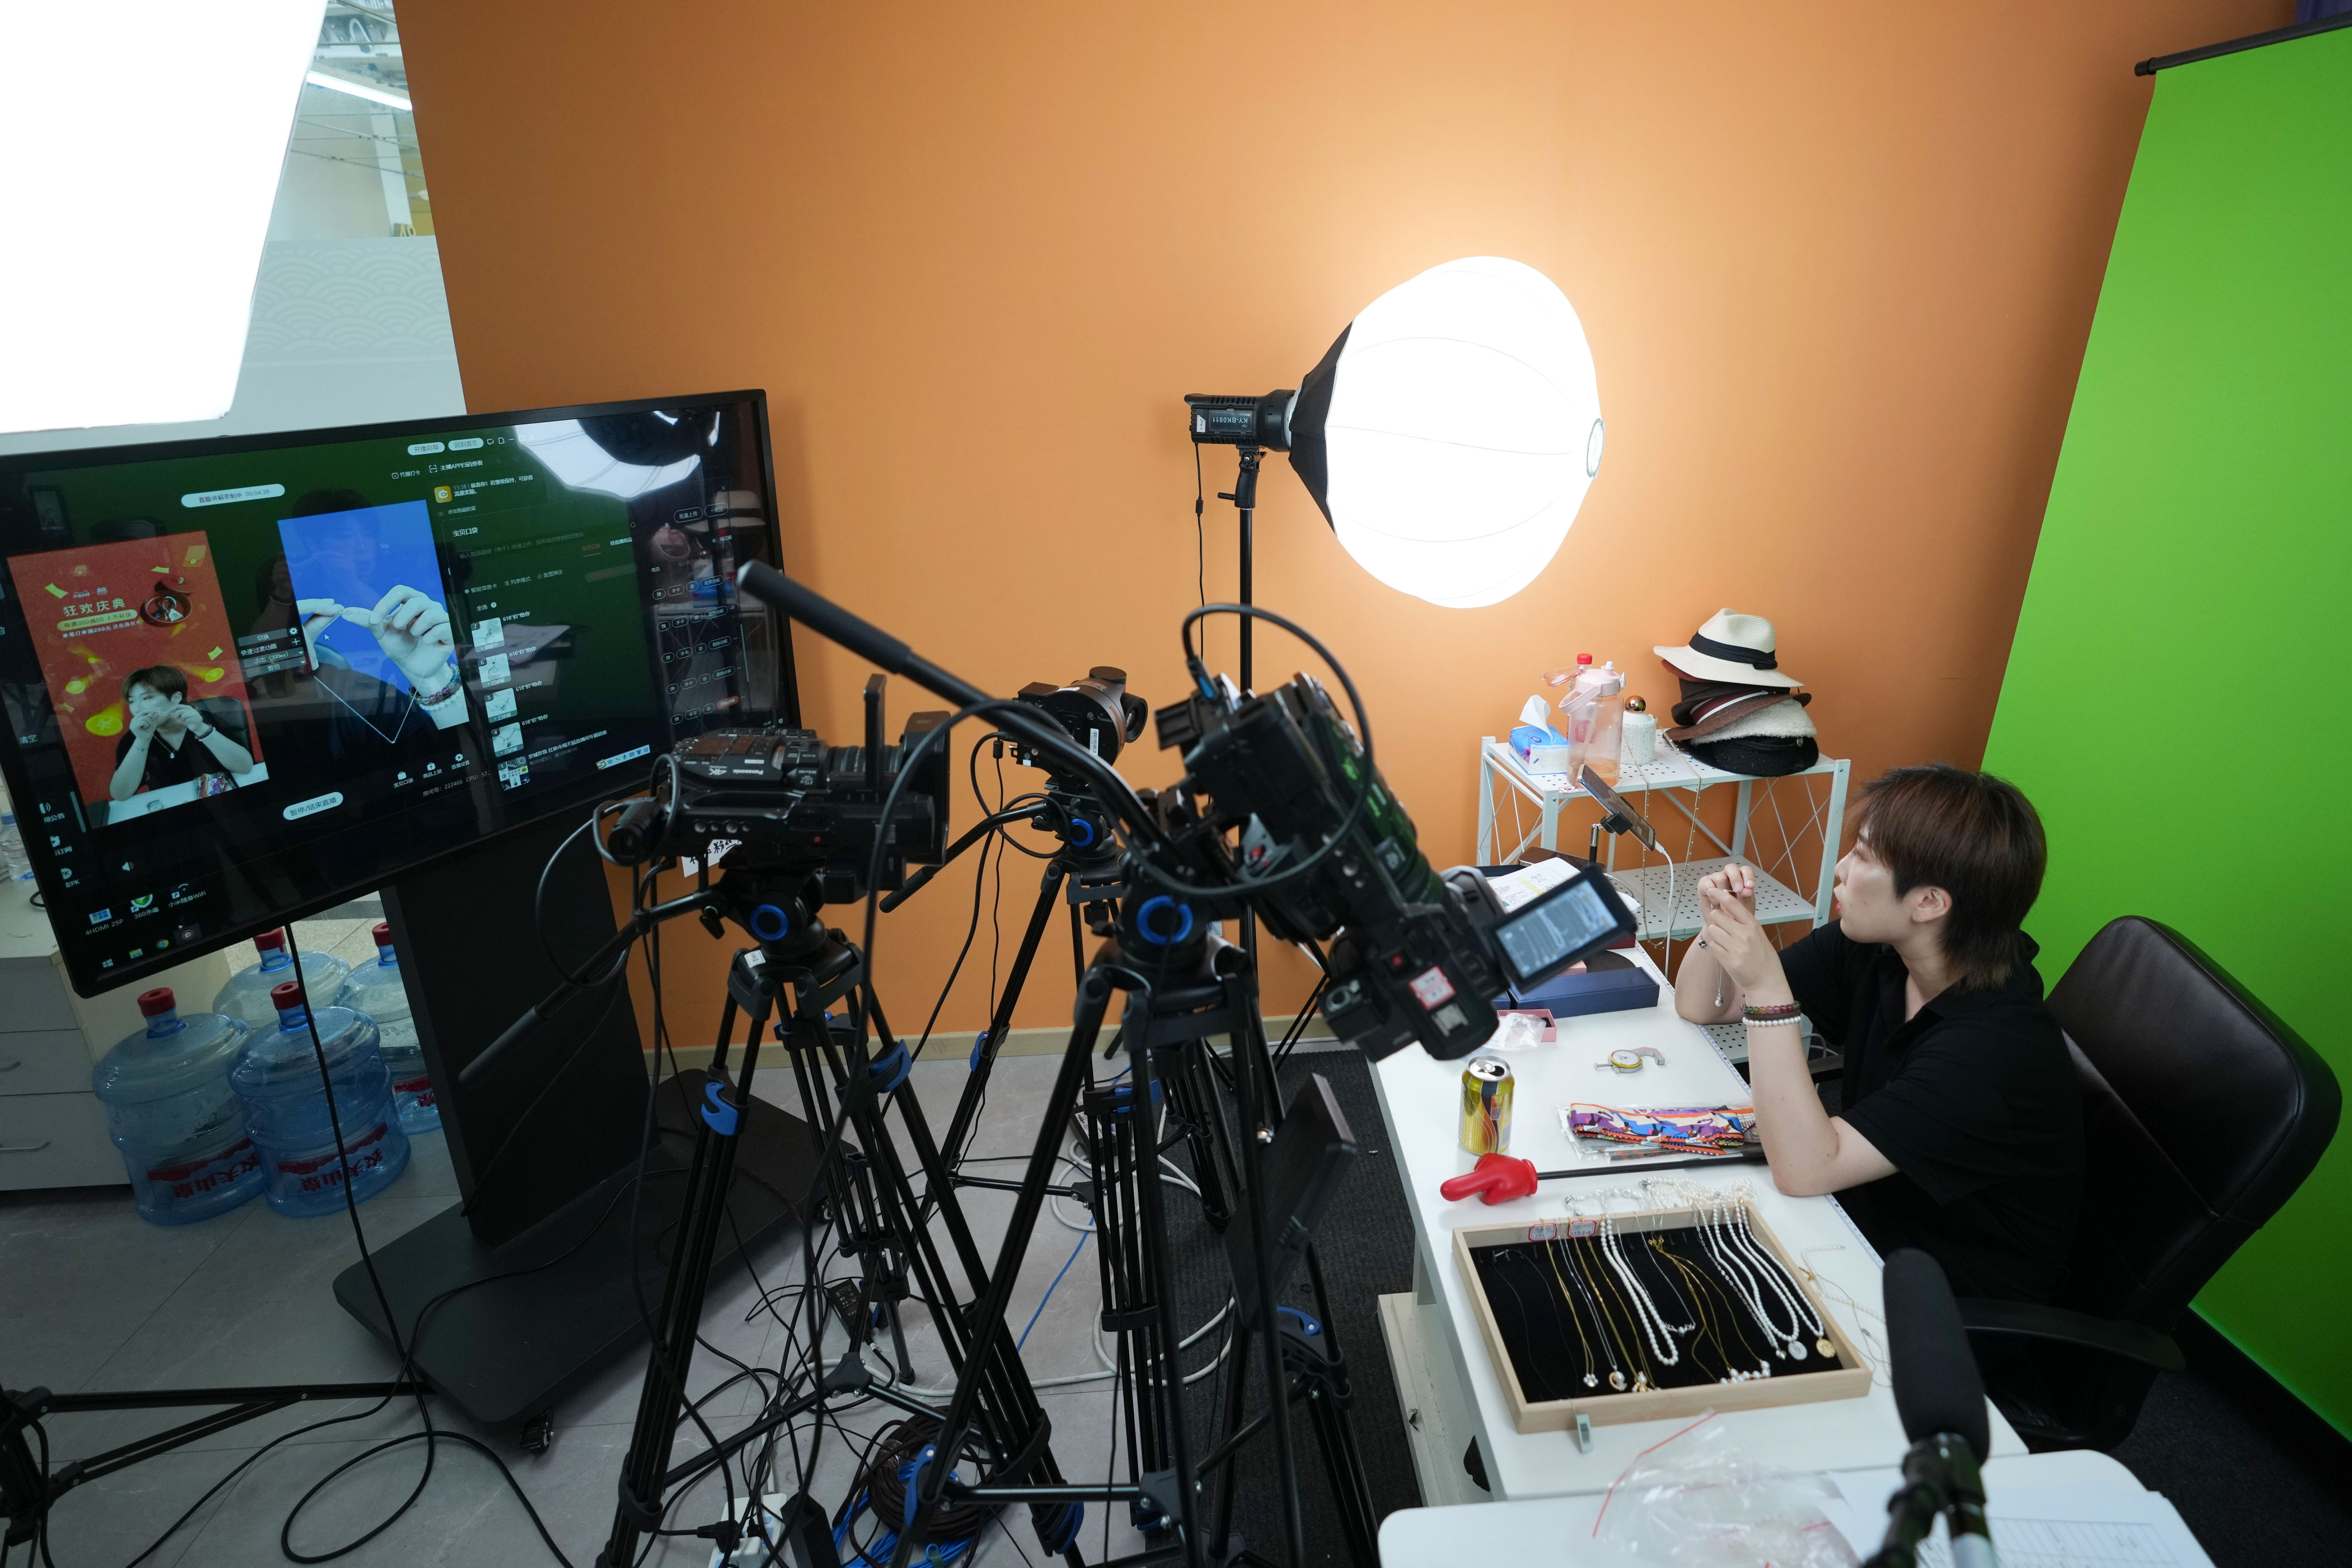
pixel 171 741
pixel 1961 1125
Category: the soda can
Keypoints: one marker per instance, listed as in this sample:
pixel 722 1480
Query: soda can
pixel 1486 1106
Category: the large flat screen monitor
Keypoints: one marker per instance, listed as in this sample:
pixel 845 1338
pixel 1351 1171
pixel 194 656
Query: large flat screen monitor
pixel 244 679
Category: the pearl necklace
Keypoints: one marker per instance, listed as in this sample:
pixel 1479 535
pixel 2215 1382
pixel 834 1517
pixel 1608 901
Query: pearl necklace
pixel 1801 1311
pixel 1744 1279
pixel 1645 1310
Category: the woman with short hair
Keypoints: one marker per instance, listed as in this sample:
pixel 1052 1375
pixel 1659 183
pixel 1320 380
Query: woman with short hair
pixel 1960 1128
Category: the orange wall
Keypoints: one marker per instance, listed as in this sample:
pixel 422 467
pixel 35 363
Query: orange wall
pixel 1837 263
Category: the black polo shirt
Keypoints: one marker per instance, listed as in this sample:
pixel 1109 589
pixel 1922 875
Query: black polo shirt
pixel 168 764
pixel 1975 1101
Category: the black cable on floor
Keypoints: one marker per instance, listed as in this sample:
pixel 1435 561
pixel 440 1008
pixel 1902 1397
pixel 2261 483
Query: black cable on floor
pixel 431 1435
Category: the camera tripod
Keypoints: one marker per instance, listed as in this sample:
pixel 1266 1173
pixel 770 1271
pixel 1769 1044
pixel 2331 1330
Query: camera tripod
pixel 843 1086
pixel 1087 873
pixel 1165 1029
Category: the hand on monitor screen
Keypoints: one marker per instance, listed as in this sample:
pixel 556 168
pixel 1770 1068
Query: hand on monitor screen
pixel 414 632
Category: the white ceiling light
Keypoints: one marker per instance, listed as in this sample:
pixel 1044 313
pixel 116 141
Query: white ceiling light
pixel 367 89
pixel 572 455
pixel 125 289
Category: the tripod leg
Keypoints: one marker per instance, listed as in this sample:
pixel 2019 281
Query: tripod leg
pixel 1007 1415
pixel 1257 1130
pixel 1344 1467
pixel 988 1322
pixel 1236 1397
pixel 1194 1097
pixel 967 1108
pixel 1155 1247
pixel 680 1315
pixel 1351 1489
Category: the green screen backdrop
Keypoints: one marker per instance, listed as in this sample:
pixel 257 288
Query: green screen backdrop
pixel 2178 700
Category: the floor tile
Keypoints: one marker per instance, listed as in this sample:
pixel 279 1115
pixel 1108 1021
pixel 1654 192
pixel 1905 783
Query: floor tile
pixel 80 1272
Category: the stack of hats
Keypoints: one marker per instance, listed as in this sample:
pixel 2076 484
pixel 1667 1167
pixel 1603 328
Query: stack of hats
pixel 1738 711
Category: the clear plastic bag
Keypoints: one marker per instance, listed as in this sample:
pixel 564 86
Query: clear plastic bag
pixel 1696 1499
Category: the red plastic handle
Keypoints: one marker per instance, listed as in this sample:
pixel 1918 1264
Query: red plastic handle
pixel 1495 1179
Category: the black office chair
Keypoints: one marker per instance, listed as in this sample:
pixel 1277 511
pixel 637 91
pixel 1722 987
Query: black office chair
pixel 226 714
pixel 2202 1113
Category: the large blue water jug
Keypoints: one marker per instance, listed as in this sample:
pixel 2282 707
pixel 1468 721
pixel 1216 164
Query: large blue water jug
pixel 245 997
pixel 170 1111
pixel 276 1077
pixel 377 990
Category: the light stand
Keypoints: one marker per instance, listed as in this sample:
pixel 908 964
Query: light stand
pixel 1244 495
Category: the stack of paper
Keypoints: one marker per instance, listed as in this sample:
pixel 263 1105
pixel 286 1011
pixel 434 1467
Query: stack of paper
pixel 2096 1526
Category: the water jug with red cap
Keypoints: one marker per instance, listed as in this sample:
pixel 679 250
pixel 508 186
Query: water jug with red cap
pixel 173 1116
pixel 286 1109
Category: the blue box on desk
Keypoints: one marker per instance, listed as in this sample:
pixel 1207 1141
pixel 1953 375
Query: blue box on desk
pixel 1609 985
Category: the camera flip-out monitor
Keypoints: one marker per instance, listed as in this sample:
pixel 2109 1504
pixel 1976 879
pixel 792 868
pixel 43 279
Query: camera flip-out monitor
pixel 246 678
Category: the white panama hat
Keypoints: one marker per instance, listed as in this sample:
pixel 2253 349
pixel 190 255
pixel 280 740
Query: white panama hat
pixel 1730 647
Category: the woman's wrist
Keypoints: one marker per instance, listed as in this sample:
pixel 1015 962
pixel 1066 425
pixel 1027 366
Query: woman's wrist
pixel 442 685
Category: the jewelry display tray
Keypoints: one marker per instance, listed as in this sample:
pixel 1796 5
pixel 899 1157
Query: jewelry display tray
pixel 1849 1380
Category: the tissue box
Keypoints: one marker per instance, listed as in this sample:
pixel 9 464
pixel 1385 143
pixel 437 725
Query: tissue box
pixel 1543 750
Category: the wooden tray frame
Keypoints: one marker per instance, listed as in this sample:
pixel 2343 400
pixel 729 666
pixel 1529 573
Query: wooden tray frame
pixel 1850 1380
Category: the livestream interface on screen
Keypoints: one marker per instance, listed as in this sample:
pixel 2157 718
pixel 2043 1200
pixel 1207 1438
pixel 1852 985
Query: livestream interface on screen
pixel 241 680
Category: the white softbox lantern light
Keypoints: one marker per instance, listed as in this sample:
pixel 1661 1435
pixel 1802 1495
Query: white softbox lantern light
pixel 136 231
pixel 1464 428
pixel 1449 434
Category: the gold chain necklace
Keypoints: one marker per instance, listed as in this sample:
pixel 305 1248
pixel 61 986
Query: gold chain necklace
pixel 1642 1380
pixel 1591 1379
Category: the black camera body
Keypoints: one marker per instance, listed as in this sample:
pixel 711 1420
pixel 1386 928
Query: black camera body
pixel 1097 710
pixel 782 800
pixel 1099 713
pixel 1415 957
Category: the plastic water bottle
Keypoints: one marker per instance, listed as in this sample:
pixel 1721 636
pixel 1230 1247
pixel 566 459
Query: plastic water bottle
pixel 11 850
pixel 276 1077
pixel 245 997
pixel 172 1114
pixel 376 991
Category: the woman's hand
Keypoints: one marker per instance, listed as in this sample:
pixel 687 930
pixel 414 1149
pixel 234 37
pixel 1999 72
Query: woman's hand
pixel 1733 936
pixel 414 632
pixel 316 615
pixel 1739 881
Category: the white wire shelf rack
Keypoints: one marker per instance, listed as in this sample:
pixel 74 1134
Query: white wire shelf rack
pixel 1679 779
pixel 1649 887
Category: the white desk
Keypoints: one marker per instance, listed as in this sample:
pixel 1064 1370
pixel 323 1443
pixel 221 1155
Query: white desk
pixel 1559 1529
pixel 1445 1381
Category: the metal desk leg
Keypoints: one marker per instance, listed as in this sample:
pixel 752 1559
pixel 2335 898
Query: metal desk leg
pixel 1833 830
pixel 1551 804
pixel 1739 820
pixel 1486 801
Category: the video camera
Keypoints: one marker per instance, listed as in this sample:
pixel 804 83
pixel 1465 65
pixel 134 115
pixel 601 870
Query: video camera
pixel 782 800
pixel 1415 955
pixel 1099 713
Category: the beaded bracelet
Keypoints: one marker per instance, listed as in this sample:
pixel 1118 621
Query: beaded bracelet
pixel 457 683
pixel 1779 1013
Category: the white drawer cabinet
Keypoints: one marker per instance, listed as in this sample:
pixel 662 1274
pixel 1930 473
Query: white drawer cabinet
pixel 52 1128
pixel 43 1061
pixel 56 1141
